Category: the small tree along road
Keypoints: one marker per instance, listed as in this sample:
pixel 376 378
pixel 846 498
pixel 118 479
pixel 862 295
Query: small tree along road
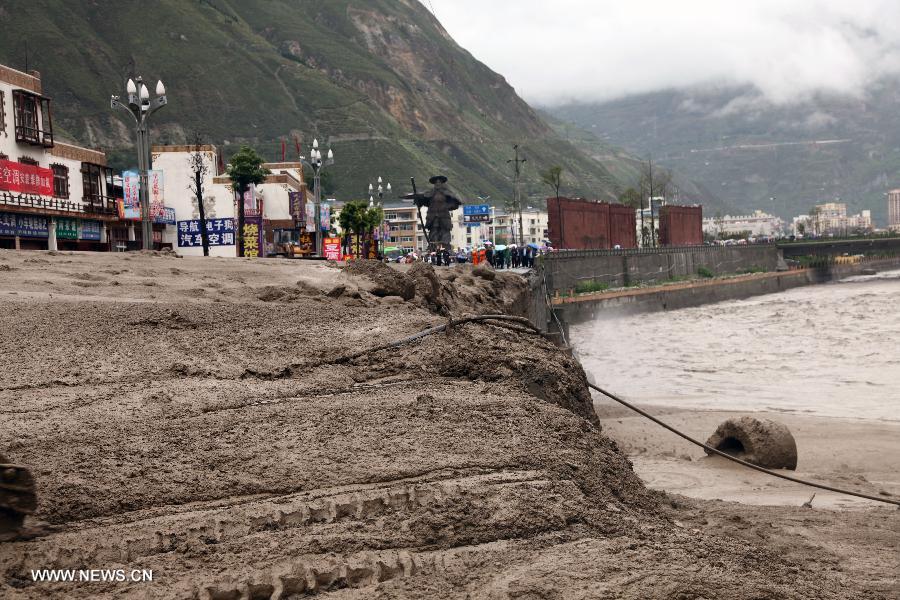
pixel 245 169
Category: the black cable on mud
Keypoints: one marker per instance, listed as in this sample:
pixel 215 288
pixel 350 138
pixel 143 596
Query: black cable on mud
pixel 530 326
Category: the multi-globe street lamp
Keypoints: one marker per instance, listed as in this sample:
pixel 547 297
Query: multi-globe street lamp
pixel 380 190
pixel 316 163
pixel 140 107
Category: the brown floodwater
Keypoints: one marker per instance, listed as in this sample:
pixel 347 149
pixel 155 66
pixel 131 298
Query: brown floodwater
pixel 827 350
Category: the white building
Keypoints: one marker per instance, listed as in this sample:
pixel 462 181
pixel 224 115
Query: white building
pixel 504 228
pixel 893 198
pixel 279 223
pixel 831 218
pixel 52 194
pixel 759 224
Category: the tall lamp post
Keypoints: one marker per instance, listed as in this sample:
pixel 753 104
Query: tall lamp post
pixel 380 190
pixel 140 107
pixel 316 163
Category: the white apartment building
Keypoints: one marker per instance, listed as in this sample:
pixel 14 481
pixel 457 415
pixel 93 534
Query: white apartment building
pixel 53 195
pixel 893 199
pixel 760 224
pixel 831 218
pixel 503 230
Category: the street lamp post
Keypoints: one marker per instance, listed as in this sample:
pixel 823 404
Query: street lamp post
pixel 140 107
pixel 316 163
pixel 380 190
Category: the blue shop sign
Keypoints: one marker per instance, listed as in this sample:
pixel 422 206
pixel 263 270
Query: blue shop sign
pixel 90 230
pixel 476 209
pixel 7 224
pixel 30 226
pixel 167 217
pixel 220 232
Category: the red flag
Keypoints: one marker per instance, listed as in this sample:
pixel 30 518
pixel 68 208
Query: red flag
pixel 297 145
pixel 283 150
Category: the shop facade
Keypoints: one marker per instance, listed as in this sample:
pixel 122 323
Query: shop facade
pixel 53 195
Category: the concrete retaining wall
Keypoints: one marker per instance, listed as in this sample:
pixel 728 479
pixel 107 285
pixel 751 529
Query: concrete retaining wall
pixel 680 295
pixel 619 268
pixel 696 293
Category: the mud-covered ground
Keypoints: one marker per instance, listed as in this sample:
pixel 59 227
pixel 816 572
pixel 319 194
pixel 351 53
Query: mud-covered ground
pixel 194 417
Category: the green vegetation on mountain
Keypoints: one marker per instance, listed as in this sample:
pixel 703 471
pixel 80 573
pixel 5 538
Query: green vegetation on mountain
pixel 756 155
pixel 379 81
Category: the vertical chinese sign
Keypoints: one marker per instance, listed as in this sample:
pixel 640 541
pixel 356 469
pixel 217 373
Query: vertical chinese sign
pixel 157 187
pixel 131 203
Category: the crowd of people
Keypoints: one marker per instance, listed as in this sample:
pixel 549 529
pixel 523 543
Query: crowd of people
pixel 499 257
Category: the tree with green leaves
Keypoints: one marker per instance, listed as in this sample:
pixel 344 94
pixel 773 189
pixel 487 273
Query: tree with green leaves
pixel 359 218
pixel 245 169
pixel 552 178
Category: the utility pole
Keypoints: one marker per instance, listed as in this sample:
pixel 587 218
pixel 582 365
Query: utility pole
pixel 517 162
pixel 652 217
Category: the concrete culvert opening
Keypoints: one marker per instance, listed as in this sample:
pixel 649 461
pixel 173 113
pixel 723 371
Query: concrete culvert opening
pixel 762 442
pixel 732 446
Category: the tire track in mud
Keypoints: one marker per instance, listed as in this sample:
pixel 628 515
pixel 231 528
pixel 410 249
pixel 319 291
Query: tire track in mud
pixel 323 515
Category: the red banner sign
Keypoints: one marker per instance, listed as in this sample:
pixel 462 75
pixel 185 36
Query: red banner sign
pixel 28 179
pixel 332 248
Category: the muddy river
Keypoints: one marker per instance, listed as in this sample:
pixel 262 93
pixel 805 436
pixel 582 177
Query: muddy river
pixel 827 350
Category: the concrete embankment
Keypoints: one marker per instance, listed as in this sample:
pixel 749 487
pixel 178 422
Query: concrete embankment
pixel 572 309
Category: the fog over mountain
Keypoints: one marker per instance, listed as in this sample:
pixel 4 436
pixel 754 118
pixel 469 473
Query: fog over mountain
pixel 769 104
pixel 590 50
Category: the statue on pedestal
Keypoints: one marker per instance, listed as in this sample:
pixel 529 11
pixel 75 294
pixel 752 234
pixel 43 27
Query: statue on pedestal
pixel 440 202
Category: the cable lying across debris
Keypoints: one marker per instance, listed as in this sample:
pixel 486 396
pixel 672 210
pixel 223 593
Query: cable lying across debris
pixel 528 324
pixel 821 486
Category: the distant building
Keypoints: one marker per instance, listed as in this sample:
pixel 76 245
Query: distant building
pixel 759 224
pixel 831 218
pixel 403 229
pixel 580 224
pixel 894 210
pixel 276 208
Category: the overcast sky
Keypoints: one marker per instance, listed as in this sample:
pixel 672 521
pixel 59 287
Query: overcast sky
pixel 559 50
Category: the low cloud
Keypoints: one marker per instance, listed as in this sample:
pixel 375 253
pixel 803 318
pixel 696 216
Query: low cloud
pixel 585 50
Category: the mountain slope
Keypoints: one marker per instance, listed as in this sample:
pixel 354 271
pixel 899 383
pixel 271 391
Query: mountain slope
pixel 753 154
pixel 380 80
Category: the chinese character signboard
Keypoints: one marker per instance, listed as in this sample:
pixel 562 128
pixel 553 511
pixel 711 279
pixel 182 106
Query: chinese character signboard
pixel 131 204
pixel 251 240
pixel 325 214
pixel 310 217
pixel 90 230
pixel 297 207
pixel 27 179
pixel 251 205
pixel 477 213
pixel 66 229
pixel 219 231
pixel 157 186
pixel 36 227
pixel 165 217
pixel 7 224
pixel 332 248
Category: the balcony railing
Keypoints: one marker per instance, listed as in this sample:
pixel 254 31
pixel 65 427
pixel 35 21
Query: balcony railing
pixel 99 205
pixel 34 136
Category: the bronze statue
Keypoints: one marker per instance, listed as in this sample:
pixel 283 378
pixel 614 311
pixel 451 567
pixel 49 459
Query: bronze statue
pixel 440 202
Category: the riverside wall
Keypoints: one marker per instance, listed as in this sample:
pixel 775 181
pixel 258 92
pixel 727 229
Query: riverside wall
pixel 565 269
pixel 568 310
